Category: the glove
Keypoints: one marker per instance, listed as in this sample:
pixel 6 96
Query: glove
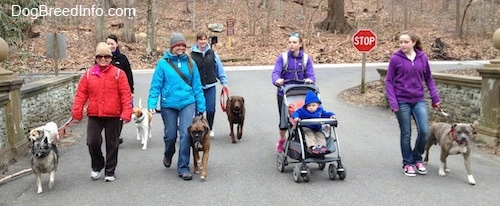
pixel 198 114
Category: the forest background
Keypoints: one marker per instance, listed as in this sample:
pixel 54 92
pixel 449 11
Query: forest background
pixel 450 29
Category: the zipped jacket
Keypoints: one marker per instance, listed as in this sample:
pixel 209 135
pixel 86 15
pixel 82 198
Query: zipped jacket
pixel 168 87
pixel 106 91
pixel 405 79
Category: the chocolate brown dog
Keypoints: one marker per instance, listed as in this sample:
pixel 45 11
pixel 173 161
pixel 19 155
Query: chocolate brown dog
pixel 200 141
pixel 235 110
pixel 453 139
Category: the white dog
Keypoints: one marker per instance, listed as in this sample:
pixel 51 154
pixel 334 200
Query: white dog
pixel 142 118
pixel 49 130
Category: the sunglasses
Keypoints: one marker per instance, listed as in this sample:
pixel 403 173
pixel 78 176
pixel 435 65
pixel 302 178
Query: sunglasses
pixel 295 35
pixel 101 56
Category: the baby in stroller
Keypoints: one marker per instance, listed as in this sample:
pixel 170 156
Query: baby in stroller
pixel 314 136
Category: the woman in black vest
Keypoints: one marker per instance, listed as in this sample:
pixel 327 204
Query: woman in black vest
pixel 121 61
pixel 211 70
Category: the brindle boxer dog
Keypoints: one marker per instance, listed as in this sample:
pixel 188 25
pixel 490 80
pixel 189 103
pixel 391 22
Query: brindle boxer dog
pixel 453 139
pixel 200 141
pixel 235 110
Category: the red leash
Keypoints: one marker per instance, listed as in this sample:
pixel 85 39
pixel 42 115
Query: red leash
pixel 224 94
pixel 62 129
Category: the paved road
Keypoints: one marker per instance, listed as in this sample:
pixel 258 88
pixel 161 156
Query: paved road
pixel 245 173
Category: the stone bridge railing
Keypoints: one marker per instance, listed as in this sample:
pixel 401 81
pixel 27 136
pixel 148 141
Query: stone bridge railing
pixel 39 102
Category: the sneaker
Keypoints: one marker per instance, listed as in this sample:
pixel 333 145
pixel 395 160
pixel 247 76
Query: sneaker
pixel 409 170
pixel 186 176
pixel 167 162
pixel 322 148
pixel 421 168
pixel 279 146
pixel 109 178
pixel 212 134
pixel 95 175
pixel 315 150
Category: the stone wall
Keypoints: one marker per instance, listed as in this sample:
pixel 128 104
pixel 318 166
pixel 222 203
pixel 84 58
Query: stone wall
pixel 3 121
pixel 48 100
pixel 42 101
pixel 460 97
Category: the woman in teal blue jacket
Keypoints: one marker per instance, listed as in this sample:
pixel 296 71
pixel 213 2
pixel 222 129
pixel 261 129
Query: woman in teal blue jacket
pixel 176 84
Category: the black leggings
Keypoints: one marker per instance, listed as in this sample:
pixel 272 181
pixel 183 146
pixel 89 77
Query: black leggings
pixel 283 123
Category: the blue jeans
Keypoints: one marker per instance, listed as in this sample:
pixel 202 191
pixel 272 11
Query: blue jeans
pixel 419 113
pixel 174 120
pixel 210 104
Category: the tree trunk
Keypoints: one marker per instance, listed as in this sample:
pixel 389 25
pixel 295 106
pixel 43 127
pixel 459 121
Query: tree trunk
pixel 150 45
pixel 101 31
pixel 457 17
pixel 460 33
pixel 335 20
pixel 128 34
pixel 405 14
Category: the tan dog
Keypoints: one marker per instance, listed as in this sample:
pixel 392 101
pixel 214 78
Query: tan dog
pixel 199 131
pixel 142 118
pixel 453 139
pixel 44 157
pixel 235 110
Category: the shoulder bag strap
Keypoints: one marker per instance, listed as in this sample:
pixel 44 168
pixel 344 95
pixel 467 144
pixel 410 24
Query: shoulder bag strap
pixel 179 72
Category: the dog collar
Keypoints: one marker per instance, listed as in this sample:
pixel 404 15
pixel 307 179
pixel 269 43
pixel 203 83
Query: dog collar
pixel 139 120
pixel 453 135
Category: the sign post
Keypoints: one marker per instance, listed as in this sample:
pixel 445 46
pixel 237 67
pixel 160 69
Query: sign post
pixel 364 40
pixel 230 31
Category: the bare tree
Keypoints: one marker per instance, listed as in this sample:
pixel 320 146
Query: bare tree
pixel 101 32
pixel 128 34
pixel 187 7
pixel 405 14
pixel 460 32
pixel 150 48
pixel 335 20
pixel 457 17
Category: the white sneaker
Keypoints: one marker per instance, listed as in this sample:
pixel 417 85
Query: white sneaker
pixel 212 134
pixel 95 175
pixel 109 178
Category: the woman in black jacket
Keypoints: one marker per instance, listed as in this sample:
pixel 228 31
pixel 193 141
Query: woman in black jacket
pixel 121 61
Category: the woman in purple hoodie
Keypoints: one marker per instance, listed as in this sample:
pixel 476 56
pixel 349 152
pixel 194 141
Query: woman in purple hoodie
pixel 407 72
pixel 291 70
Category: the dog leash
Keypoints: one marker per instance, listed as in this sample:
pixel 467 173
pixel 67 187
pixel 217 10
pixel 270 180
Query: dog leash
pixel 62 130
pixel 224 95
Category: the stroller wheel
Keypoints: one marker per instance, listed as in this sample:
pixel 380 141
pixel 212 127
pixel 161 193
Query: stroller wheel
pixel 280 165
pixel 342 174
pixel 307 176
pixel 296 173
pixel 321 165
pixel 332 172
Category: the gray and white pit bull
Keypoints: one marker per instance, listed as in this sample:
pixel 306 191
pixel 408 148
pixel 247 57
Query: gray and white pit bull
pixel 453 139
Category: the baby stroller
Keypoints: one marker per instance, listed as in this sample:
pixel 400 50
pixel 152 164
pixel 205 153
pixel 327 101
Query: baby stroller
pixel 295 146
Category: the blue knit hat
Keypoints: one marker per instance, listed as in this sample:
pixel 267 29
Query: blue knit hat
pixel 310 98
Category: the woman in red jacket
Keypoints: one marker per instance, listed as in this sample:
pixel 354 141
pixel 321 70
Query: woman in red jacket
pixel 106 90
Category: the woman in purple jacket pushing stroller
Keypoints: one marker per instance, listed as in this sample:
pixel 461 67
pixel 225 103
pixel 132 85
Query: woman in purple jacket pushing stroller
pixel 292 67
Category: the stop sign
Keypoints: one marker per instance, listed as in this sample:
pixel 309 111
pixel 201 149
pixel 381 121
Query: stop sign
pixel 364 40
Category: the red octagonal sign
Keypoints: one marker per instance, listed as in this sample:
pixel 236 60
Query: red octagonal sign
pixel 364 40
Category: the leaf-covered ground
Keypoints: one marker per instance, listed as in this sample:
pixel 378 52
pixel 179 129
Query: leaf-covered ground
pixel 261 34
